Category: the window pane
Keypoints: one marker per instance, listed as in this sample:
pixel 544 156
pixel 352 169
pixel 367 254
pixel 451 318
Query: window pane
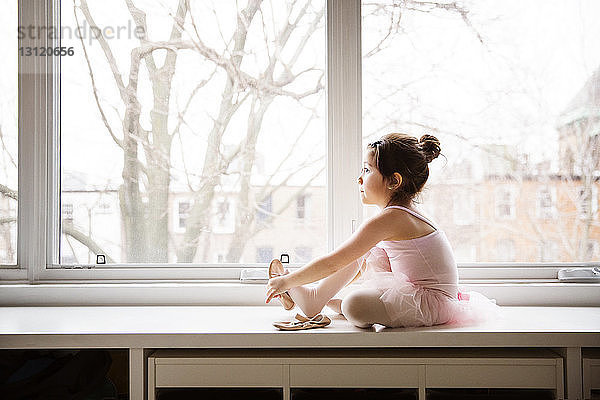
pixel 512 91
pixel 192 143
pixel 8 134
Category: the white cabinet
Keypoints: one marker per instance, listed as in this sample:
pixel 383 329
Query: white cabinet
pixel 357 368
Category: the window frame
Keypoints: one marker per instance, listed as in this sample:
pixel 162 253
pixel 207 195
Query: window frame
pixel 39 167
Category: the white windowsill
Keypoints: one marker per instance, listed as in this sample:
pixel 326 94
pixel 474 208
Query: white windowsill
pixel 235 293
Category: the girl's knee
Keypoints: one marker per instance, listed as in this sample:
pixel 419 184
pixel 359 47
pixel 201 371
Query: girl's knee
pixel 363 308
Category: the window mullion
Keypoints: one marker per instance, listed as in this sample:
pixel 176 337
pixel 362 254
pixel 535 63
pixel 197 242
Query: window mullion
pixel 344 117
pixel 53 209
pixel 32 145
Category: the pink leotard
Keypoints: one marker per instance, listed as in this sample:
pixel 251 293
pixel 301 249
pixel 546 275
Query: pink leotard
pixel 418 280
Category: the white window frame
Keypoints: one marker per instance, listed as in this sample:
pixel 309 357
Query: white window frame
pixel 39 171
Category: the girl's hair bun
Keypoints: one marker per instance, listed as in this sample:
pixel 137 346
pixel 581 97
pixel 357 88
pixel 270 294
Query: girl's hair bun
pixel 430 146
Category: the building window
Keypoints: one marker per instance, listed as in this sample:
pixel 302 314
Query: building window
pixel 183 212
pixel 104 208
pixel 264 254
pixel 587 202
pixel 546 202
pixel 505 203
pixel 67 212
pixel 264 209
pixel 301 207
pixel 592 250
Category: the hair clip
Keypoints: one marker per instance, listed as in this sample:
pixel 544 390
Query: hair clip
pixel 375 143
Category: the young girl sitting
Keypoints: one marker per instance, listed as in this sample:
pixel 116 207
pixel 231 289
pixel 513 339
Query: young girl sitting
pixel 410 275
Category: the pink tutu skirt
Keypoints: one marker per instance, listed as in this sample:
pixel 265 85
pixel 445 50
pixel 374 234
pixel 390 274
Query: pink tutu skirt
pixel 410 305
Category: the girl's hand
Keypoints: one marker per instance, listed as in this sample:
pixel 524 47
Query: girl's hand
pixel 275 287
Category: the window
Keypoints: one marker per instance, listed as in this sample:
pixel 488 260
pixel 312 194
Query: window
pixel 587 202
pixel 264 254
pixel 546 203
pixel 104 208
pixel 475 74
pixel 197 116
pixel 67 213
pixel 182 214
pixel 264 209
pixel 244 127
pixel 592 250
pixel 505 203
pixel 8 135
pixel 302 207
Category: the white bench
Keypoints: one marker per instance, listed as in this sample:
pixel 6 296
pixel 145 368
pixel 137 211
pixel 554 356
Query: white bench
pixel 568 332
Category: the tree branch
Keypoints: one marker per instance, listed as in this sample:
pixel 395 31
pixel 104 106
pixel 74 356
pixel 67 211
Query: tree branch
pixel 8 192
pixel 94 87
pixel 139 18
pixel 87 241
pixel 12 161
pixel 105 48
pixel 7 220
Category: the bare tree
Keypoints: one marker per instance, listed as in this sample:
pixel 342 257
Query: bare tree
pixel 146 228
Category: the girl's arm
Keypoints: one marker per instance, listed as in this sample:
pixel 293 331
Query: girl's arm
pixel 358 275
pixel 368 235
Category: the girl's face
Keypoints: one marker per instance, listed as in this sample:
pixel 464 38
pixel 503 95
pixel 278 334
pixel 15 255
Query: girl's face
pixel 373 189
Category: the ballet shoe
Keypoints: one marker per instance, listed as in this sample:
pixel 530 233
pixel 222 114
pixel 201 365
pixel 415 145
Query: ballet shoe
pixel 276 269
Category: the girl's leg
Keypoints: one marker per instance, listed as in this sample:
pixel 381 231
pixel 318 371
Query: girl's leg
pixel 335 305
pixel 363 308
pixel 311 300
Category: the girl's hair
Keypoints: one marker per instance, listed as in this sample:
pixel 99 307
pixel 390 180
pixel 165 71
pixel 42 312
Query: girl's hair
pixel 398 152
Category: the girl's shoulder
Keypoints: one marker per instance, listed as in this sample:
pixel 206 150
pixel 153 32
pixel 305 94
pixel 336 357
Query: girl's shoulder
pixel 407 223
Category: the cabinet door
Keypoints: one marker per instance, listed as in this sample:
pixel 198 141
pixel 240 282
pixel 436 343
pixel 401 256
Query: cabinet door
pixel 225 375
pixel 354 376
pixel 491 376
pixel 219 393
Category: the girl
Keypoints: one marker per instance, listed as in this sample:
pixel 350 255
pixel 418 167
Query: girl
pixel 410 276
